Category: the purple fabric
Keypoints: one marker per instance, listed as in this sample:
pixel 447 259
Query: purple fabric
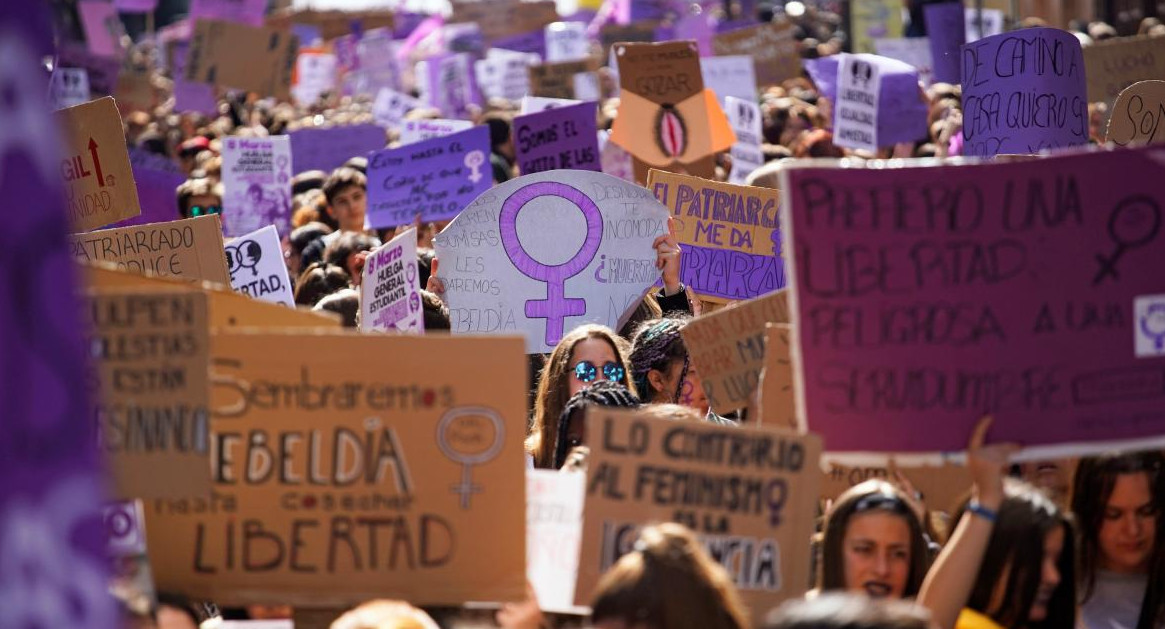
pixel 946 26
pixel 558 138
pixel 901 109
pixel 533 42
pixel 326 149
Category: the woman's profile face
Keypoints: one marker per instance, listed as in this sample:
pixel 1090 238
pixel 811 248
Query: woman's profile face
pixel 597 352
pixel 1128 525
pixel 1049 574
pixel 876 552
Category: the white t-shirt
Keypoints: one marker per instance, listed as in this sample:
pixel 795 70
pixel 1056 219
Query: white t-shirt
pixel 1115 602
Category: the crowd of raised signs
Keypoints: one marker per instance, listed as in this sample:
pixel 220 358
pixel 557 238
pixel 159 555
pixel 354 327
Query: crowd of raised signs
pixel 663 316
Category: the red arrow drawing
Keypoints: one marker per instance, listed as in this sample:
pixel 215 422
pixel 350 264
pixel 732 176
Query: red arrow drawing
pixel 96 162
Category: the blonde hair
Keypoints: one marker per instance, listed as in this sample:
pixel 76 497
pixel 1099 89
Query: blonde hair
pixel 384 614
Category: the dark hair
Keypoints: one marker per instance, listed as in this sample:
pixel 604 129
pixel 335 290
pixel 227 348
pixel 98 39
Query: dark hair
pixel 1091 490
pixel 435 312
pixel 318 281
pixel 304 235
pixel 341 179
pixel 344 302
pixel 347 244
pixel 657 345
pixel 308 180
pixel 1014 559
pixel 191 188
pixel 425 257
pixel 839 610
pixel 601 393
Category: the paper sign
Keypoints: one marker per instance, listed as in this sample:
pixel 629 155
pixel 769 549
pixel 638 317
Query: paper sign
pixel 339 480
pixel 558 80
pixel 566 41
pixel 328 149
pixel 94 169
pixel 946 30
pixel 102 27
pixel 562 138
pixel 753 513
pixel 68 87
pixel 191 249
pixel 745 118
pixel 982 23
pixel 535 104
pixel 391 107
pixel 775 404
pixel 413 131
pixel 433 178
pixel 446 83
pixel 914 51
pixel 729 76
pixel 255 262
pixel 730 235
pixel 217 47
pixel 855 116
pixel 1116 64
pixel 542 254
pixel 875 19
pixel 899 93
pixel 390 295
pixel 316 73
pixel 376 54
pixel 1018 302
pixel 505 76
pixel 249 12
pixel 554 508
pixel 1023 92
pixel 151 356
pixel 1137 115
pixel 501 18
pixel 256 177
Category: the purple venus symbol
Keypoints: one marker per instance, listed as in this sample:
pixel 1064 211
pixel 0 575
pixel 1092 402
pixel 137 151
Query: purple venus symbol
pixel 556 307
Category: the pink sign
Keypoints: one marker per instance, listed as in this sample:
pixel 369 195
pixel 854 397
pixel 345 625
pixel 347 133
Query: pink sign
pixel 102 26
pixel 1032 290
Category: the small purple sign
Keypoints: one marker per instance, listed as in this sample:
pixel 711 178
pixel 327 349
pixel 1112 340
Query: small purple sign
pixel 1024 92
pixel 533 42
pixel 448 84
pixel 434 178
pixel 189 95
pixel 249 12
pixel 561 138
pixel 325 149
pixel 698 27
pixel 946 26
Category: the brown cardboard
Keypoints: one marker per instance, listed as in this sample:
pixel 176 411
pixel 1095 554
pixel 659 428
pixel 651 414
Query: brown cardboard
pixel 331 24
pixel 503 18
pixel 95 170
pixel 636 32
pixel 305 526
pixel 191 248
pixel 556 80
pixel 135 90
pixel 775 52
pixel 728 348
pixel 1138 115
pixel 941 486
pixel 151 354
pixel 632 481
pixel 218 49
pixel 665 73
pixel 775 406
pixel 1115 64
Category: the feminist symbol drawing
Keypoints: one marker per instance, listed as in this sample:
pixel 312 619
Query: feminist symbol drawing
pixel 470 435
pixel 556 307
pixel 1134 223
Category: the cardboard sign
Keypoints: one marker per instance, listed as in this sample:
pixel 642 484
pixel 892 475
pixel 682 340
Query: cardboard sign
pixel 151 353
pixel 501 18
pixel 216 48
pixel 338 480
pixel 504 75
pixel 249 12
pixel 1116 64
pixel 191 249
pixel 732 76
pixel 1023 92
pixel 256 177
pixel 566 41
pixel 1022 301
pixel 413 131
pixel 772 47
pixel 328 149
pixel 855 114
pixel 68 87
pixel 554 509
pixel 390 295
pixel 775 404
pixel 391 107
pixel 727 348
pixel 942 487
pixel 1137 115
pixel 188 95
pixel 982 23
pixel 95 170
pixel 542 254
pixel 899 92
pixel 331 24
pixel 745 118
pixel 875 19
pixel 446 83
pixel 316 73
pixel 560 80
pixel 914 51
pixel 946 30
pixel 753 512
pixel 257 268
pixel 434 178
pixel 562 138
pixel 730 235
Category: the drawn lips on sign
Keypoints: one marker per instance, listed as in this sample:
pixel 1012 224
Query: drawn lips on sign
pixel 671 132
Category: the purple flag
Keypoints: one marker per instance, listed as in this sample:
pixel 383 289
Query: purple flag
pixel 54 570
pixel 560 138
pixel 248 12
pixel 435 178
pixel 325 149
pixel 1024 92
pixel 946 27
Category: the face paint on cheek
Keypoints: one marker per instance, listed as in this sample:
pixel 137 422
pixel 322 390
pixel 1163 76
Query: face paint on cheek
pixel 686 392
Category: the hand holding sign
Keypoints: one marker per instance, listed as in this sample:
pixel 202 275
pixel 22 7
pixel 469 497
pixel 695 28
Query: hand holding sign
pixel 668 260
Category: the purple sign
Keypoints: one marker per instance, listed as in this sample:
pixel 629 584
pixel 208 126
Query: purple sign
pixel 560 138
pixel 103 71
pixel 448 83
pixel 1024 92
pixel 188 95
pixel 51 533
pixel 648 10
pixel 433 178
pixel 698 27
pixel 136 6
pixel 326 149
pixel 157 195
pixel 946 27
pixel 902 108
pixel 533 42
pixel 249 12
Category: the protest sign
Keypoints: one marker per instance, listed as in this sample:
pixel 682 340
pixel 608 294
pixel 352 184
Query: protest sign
pixel 914 51
pixel 535 104
pixel 343 473
pixel 1115 64
pixel 434 178
pixel 446 83
pixel 329 148
pixel 875 19
pixel 135 89
pixel 554 508
pixel 758 488
pixel 982 23
pixel 136 6
pixel 533 42
pixel 256 177
pixel 255 262
pixel 102 71
pixel 102 27
pixel 562 138
pixel 68 87
pixel 730 235
pixel 946 30
pixel 855 114
pixel 1028 299
pixel 615 161
pixel 376 58
pixel 1023 92
pixel 774 50
pixel 249 12
pixel 216 48
pixel 315 74
pixel 155 186
pixel 542 254
pixel 639 32
pixel 333 23
pixel 413 131
pixel 745 118
pixel 1137 115
pixel 390 294
pixel 566 41
pixel 188 95
pixel 501 18
pixel 731 76
pixel 191 249
pixel 95 170
pixel 899 93
pixel 504 75
pixel 563 80
pixel 390 108
pixel 151 356
pixel 941 486
pixel 697 26
pixel 775 405
pixel 727 348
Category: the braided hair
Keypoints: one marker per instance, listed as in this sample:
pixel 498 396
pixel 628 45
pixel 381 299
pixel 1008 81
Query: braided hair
pixel 601 393
pixel 657 344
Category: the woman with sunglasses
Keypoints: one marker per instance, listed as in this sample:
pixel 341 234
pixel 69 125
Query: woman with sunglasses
pixel 660 367
pixel 588 354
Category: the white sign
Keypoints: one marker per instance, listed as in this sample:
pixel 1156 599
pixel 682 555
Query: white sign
pixel 911 50
pixel 446 83
pixel 855 122
pixel 586 86
pixel 535 104
pixel 566 41
pixel 1149 323
pixel 256 175
pixel 744 117
pixel 992 24
pixel 554 508
pixel 504 74
pixel 544 253
pixel 257 269
pixel 732 75
pixel 390 107
pixel 68 87
pixel 390 297
pixel 316 74
pixel 418 130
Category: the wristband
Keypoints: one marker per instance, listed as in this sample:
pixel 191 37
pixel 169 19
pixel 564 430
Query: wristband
pixel 983 512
